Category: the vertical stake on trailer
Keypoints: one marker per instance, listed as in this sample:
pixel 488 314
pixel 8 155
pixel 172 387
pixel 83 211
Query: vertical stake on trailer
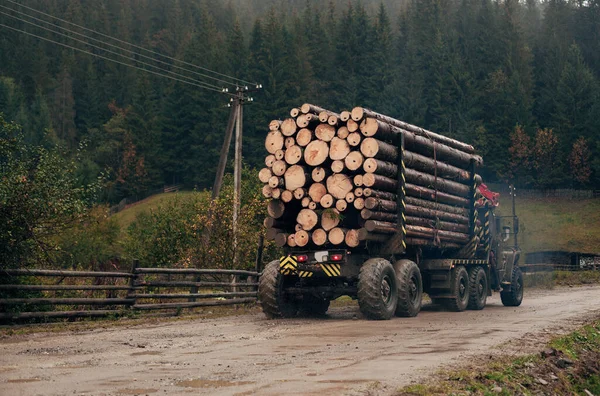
pixel 473 211
pixel 237 176
pixel 401 204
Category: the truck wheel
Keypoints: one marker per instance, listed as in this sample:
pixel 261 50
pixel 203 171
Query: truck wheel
pixel 514 296
pixel 274 302
pixel 478 288
pixel 377 289
pixel 410 288
pixel 459 289
pixel 313 306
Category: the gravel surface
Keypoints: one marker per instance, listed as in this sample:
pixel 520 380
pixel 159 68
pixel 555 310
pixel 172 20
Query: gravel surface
pixel 245 355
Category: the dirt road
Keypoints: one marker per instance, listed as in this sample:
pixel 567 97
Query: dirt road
pixel 342 354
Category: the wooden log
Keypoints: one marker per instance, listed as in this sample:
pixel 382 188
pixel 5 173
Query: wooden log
pixel 316 152
pixel 308 219
pixel 297 227
pixel 288 127
pixel 276 181
pixel 274 141
pixel 354 139
pixel 319 237
pixel 330 219
pixel 381 205
pixel 343 132
pixel 293 155
pixel 324 116
pixel 272 233
pixel 354 160
pixel 339 185
pixel 316 191
pixel 419 211
pixel 295 112
pixel 279 154
pixel 427 180
pixel 359 203
pixel 358 192
pixel 337 166
pixel 305 120
pixel 432 195
pixel 267 191
pixel 264 175
pixel 269 159
pixel 291 240
pixel 333 120
pixel 326 201
pixel 305 201
pixel 270 222
pixel 382 168
pixel 367 214
pixel 429 165
pixel 436 223
pixel 274 125
pixel 359 113
pixel 324 132
pixel 373 148
pixel 369 192
pixel 302 238
pixel 344 116
pixel 288 142
pixel 287 196
pixel 336 236
pixel 364 235
pixel 275 208
pixel 304 137
pixel 351 239
pixel 276 193
pixel 281 239
pixel 319 174
pixel 279 167
pixel 341 205
pixel 379 182
pixel 417 231
pixel 429 242
pixel 352 126
pixel 300 193
pixel 437 206
pixel 312 205
pixel 380 227
pixel 350 197
pixel 311 108
pixel 295 177
pixel 358 180
pixel 338 148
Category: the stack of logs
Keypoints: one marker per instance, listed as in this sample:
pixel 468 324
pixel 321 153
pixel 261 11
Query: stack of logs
pixel 334 179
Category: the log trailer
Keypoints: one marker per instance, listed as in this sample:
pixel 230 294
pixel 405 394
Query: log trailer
pixel 414 217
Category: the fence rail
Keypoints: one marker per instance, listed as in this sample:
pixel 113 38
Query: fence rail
pixel 140 289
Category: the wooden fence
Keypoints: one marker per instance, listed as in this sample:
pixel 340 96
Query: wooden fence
pixel 36 293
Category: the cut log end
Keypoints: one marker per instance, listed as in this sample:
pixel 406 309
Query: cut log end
pixel 316 152
pixel 302 238
pixel 288 127
pixel 351 238
pixel 319 237
pixel 357 114
pixel 336 236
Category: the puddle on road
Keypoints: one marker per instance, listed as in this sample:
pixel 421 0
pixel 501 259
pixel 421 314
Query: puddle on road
pixel 200 383
pixel 22 380
pixel 136 391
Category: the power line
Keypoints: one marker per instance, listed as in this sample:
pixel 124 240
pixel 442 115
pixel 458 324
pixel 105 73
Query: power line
pixel 133 45
pixel 111 45
pixel 112 52
pixel 113 60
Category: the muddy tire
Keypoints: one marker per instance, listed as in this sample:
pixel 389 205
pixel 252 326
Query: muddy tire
pixel 410 288
pixel 313 306
pixel 478 288
pixel 274 302
pixel 514 296
pixel 377 289
pixel 459 289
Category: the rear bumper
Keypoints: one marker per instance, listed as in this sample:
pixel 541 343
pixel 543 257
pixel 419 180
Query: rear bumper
pixel 313 264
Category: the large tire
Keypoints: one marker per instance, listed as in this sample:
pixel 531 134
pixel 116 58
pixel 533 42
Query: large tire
pixel 478 288
pixel 313 306
pixel 514 296
pixel 410 288
pixel 377 289
pixel 274 302
pixel 459 289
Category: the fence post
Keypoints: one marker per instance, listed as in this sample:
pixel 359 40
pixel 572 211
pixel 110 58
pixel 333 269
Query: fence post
pixel 133 281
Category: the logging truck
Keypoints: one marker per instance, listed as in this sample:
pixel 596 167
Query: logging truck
pixel 371 207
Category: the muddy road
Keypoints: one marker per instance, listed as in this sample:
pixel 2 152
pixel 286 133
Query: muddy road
pixel 341 354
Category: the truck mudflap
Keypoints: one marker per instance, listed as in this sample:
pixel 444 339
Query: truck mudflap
pixel 293 266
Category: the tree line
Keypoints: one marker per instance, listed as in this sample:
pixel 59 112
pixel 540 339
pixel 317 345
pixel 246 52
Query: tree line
pixel 517 79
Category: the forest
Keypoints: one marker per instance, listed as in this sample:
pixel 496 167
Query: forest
pixel 517 79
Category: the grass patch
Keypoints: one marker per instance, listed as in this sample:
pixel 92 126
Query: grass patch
pixel 547 280
pixel 569 365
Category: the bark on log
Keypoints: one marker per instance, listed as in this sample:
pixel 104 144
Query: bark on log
pixel 279 154
pixel 341 205
pixel 308 219
pixel 419 211
pixel 316 152
pixel 325 132
pixel 311 108
pixel 274 141
pixel 367 214
pixel 359 113
pixel 272 233
pixel 267 191
pixel 381 205
pixel 291 240
pixel 326 201
pixel 302 238
pixel 354 160
pixel 337 166
pixel 435 223
pixel 380 227
pixel 319 237
pixel 365 235
pixel 380 182
pixel 279 168
pixel 437 206
pixel 343 132
pixel 373 148
pixel 287 196
pixel 274 125
pixel 359 203
pixel 293 155
pixel 352 126
pixel 344 116
pixel 304 137
pixel 295 177
pixel 276 193
pixel 336 236
pixel 270 222
pixel 427 180
pixel 429 242
pixel 338 148
pixel 369 192
pixel 288 142
pixel 304 120
pixel 417 231
pixel 316 191
pixel 339 185
pixel 264 175
pixel 269 159
pixel 288 127
pixel 295 112
pixel 351 238
pixel 358 180
pixel 382 168
pixel 425 164
pixel 276 181
pixel 354 139
pixel 300 193
pixel 330 219
pixel 281 239
pixel 319 174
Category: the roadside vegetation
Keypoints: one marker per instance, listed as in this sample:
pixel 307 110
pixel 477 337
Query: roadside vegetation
pixel 568 365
